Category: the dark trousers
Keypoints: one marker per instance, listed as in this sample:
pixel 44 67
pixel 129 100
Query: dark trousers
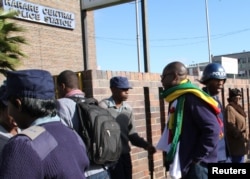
pixel 197 171
pixel 123 168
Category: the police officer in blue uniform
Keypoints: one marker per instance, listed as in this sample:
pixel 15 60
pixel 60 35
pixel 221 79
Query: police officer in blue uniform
pixel 45 148
pixel 214 77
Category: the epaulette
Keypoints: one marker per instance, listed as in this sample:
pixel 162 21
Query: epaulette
pixel 42 145
pixel 32 132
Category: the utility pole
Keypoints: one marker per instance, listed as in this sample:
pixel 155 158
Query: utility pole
pixel 208 32
pixel 145 35
pixel 138 36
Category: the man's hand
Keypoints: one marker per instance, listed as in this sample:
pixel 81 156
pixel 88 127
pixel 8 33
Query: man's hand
pixel 151 149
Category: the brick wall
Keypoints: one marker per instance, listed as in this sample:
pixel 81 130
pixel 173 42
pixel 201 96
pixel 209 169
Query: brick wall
pixel 149 111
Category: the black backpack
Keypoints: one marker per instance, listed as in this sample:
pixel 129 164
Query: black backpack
pixel 99 131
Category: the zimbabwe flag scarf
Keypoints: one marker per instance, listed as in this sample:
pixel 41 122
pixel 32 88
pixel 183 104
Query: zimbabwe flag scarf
pixel 176 116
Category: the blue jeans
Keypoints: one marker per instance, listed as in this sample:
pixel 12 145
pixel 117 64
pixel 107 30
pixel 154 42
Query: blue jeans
pixel 101 175
pixel 197 171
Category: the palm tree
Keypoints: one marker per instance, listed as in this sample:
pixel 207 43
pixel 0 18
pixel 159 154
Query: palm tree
pixel 10 52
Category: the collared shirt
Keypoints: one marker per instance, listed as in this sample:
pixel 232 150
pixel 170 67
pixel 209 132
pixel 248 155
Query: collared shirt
pixel 76 93
pixel 4 137
pixel 44 120
pixel 111 104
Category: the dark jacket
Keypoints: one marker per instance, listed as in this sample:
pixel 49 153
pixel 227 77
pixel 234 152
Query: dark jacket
pixel 223 149
pixel 200 133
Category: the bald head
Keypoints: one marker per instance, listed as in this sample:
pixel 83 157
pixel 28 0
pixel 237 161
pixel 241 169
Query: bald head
pixel 173 74
pixel 176 67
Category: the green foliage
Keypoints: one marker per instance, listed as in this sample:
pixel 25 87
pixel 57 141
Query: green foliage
pixel 10 52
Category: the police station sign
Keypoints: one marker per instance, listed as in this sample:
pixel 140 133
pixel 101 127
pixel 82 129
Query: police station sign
pixel 41 14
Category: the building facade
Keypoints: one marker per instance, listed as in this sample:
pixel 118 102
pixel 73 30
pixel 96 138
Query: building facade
pixel 243 63
pixel 55 31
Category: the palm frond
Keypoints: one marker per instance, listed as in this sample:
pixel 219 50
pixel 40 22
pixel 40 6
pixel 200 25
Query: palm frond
pixel 10 52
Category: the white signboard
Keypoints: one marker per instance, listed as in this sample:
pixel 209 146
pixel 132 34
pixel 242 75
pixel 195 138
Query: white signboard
pixel 230 65
pixel 96 4
pixel 41 14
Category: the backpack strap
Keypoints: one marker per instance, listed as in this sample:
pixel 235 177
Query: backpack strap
pixel 86 100
pixel 91 101
pixel 77 99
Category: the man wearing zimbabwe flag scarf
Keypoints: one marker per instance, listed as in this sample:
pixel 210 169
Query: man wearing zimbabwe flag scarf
pixel 193 128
